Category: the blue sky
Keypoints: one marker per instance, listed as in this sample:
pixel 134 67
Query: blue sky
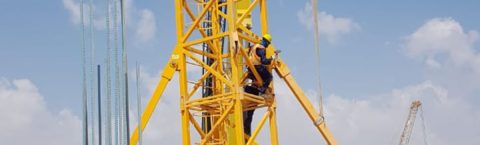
pixel 48 44
pixel 370 56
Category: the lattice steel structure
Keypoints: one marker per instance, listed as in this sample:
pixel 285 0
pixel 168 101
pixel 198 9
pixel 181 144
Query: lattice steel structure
pixel 225 105
pixel 407 130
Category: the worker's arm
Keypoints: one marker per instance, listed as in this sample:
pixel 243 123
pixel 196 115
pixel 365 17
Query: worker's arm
pixel 263 56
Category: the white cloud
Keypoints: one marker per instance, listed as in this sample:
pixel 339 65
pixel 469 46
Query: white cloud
pixel 379 119
pixel 141 22
pixel 373 120
pixel 443 41
pixel 74 9
pixel 328 25
pixel 449 53
pixel 146 26
pixel 25 119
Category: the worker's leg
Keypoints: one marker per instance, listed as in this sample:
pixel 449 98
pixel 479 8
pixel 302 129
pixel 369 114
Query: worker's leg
pixel 250 74
pixel 248 115
pixel 247 121
pixel 266 77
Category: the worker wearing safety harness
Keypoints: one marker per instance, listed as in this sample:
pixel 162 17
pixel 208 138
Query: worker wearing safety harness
pixel 258 56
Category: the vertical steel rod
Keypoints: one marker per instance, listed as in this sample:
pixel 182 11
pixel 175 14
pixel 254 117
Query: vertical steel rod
pixel 127 119
pixel 117 74
pixel 91 74
pixel 99 106
pixel 125 69
pixel 139 106
pixel 84 81
pixel 108 112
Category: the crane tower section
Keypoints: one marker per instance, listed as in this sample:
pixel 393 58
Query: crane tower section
pixel 224 27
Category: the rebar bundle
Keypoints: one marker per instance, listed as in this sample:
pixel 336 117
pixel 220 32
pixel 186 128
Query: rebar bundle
pixel 114 128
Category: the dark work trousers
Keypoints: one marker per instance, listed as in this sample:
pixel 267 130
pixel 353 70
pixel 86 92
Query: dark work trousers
pixel 265 75
pixel 248 115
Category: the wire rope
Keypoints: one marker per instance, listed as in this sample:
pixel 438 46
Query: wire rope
pixel 317 57
pixel 425 139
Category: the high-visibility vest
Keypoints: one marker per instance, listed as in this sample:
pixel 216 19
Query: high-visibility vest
pixel 254 58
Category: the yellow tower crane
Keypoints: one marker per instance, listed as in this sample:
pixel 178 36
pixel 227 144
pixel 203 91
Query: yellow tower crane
pixel 407 130
pixel 226 71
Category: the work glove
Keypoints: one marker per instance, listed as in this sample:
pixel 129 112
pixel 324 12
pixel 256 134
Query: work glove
pixel 249 82
pixel 276 54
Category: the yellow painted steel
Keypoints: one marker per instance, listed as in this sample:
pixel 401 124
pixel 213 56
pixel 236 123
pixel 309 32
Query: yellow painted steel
pixel 258 128
pixel 228 101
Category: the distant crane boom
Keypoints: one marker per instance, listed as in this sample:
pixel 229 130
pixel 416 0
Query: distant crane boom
pixel 407 131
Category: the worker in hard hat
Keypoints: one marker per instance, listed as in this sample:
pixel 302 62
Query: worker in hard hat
pixel 258 56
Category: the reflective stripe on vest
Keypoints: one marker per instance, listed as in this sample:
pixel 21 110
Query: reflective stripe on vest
pixel 254 58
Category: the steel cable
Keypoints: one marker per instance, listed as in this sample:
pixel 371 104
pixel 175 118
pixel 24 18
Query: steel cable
pixel 425 140
pixel 317 52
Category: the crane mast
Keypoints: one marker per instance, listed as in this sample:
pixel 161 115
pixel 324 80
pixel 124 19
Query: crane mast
pixel 407 131
pixel 224 61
